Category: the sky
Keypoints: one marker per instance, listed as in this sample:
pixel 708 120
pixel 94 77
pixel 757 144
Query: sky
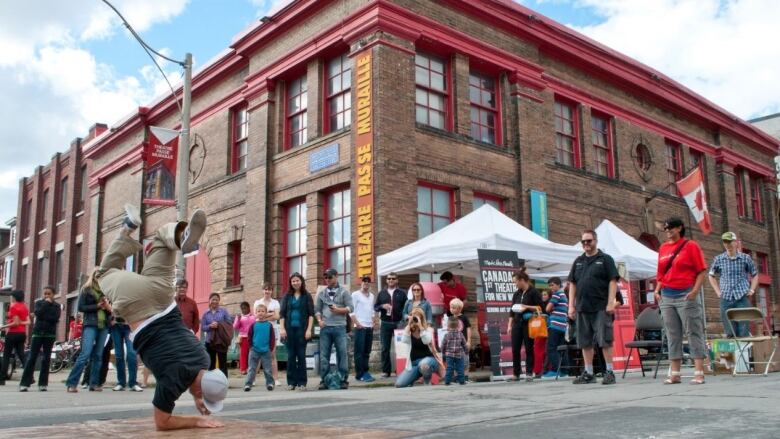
pixel 66 65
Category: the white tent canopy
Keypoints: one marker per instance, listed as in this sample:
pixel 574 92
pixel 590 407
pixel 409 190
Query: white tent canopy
pixel 454 247
pixel 641 262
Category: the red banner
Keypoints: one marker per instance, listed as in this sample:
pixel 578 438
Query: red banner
pixel 160 156
pixel 691 188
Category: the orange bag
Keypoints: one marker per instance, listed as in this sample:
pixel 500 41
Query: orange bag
pixel 537 325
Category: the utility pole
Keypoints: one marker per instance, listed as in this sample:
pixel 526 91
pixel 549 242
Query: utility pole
pixel 183 165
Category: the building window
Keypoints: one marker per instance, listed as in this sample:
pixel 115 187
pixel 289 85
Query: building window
pixel 9 272
pixel 297 121
pixel 233 270
pixel 755 198
pixel 339 239
pixel 673 166
pixel 484 109
pixel 482 199
pixel 63 199
pixel 339 96
pixel 567 148
pixel 434 209
pixel 77 260
pixel 13 237
pixel 603 155
pixel 295 240
pixel 240 145
pixel 29 219
pixel 83 190
pixel 431 93
pixel 58 272
pixel 39 280
pixel 44 203
pixel 762 262
pixel 739 191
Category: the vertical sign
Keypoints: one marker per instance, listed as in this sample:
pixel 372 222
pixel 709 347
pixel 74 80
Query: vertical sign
pixel 160 155
pixel 777 174
pixel 364 166
pixel 624 325
pixel 496 268
pixel 539 213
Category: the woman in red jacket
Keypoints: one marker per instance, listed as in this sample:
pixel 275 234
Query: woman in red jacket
pixel 681 271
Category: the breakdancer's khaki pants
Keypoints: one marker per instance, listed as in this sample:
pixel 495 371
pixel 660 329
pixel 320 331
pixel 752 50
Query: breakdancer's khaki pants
pixel 136 297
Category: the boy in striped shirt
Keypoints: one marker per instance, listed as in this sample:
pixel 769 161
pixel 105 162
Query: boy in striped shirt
pixel 558 308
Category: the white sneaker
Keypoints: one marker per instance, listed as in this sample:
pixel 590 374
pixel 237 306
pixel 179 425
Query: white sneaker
pixel 136 388
pixel 132 216
pixel 118 388
pixel 193 232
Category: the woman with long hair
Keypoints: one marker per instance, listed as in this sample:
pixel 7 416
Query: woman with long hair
pixel 524 302
pixel 422 358
pixel 47 315
pixel 297 319
pixel 681 272
pixel 418 301
pixel 208 325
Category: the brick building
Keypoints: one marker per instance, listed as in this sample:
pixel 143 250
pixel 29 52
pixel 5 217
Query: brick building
pixel 335 131
pixel 53 216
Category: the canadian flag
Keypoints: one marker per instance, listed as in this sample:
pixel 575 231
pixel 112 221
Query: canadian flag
pixel 691 188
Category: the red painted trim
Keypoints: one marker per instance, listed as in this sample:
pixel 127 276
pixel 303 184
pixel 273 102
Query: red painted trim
pixel 235 247
pixel 735 159
pixel 231 100
pixel 575 121
pixel 130 158
pixel 234 140
pixel 580 51
pixel 449 189
pixel 326 98
pixel 610 147
pixel 496 198
pixel 497 111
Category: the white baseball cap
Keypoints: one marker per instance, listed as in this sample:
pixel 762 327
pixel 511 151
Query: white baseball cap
pixel 214 386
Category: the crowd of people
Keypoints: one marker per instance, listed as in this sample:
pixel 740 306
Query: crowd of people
pixel 134 311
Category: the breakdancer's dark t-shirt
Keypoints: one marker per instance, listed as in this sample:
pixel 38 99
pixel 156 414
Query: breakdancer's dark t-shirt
pixel 174 356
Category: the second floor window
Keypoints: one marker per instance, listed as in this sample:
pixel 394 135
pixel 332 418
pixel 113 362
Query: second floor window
pixel 434 209
pixel 295 240
pixel 567 148
pixel 339 95
pixel 431 94
pixel 739 191
pixel 240 145
pixel 482 199
pixel 484 109
pixel 83 189
pixel 603 155
pixel 755 198
pixel 44 203
pixel 297 103
pixel 673 166
pixel 63 199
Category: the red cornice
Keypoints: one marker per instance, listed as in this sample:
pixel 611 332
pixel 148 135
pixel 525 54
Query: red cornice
pixel 737 160
pixel 577 50
pixel 131 157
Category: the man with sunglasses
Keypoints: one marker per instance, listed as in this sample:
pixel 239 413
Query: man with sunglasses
pixel 729 278
pixel 390 304
pixel 592 290
pixel 332 308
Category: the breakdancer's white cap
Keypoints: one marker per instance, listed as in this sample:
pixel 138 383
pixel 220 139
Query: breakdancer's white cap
pixel 214 385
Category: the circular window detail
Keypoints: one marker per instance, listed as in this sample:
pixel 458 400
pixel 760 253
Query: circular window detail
pixel 642 157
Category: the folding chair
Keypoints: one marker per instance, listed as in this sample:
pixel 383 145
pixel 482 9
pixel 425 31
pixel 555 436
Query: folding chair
pixel 649 320
pixel 737 315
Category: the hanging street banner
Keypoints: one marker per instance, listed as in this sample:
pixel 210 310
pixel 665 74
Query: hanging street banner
pixel 364 165
pixel 496 268
pixel 160 156
pixel 691 188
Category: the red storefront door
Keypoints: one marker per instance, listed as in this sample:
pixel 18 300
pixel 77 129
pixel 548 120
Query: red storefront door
pixel 198 271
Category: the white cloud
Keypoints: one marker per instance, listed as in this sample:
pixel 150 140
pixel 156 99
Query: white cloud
pixel 726 51
pixel 54 89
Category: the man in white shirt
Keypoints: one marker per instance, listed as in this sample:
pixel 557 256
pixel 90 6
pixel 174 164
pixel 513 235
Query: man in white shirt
pixel 363 332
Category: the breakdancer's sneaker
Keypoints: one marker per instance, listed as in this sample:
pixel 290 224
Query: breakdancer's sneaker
pixel 132 217
pixel 193 232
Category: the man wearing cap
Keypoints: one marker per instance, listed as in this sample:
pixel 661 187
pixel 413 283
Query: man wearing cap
pixel 332 307
pixel 729 278
pixel 168 348
pixel 187 307
pixel 363 333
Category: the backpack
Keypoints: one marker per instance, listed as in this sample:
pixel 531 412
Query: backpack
pixel 333 380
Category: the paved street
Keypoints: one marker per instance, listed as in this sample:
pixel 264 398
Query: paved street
pixel 726 407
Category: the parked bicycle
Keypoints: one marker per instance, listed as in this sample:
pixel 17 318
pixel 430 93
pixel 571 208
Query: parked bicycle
pixel 64 354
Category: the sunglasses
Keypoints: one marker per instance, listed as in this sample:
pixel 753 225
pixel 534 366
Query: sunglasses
pixel 416 289
pixel 586 241
pixel 328 276
pixel 392 278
